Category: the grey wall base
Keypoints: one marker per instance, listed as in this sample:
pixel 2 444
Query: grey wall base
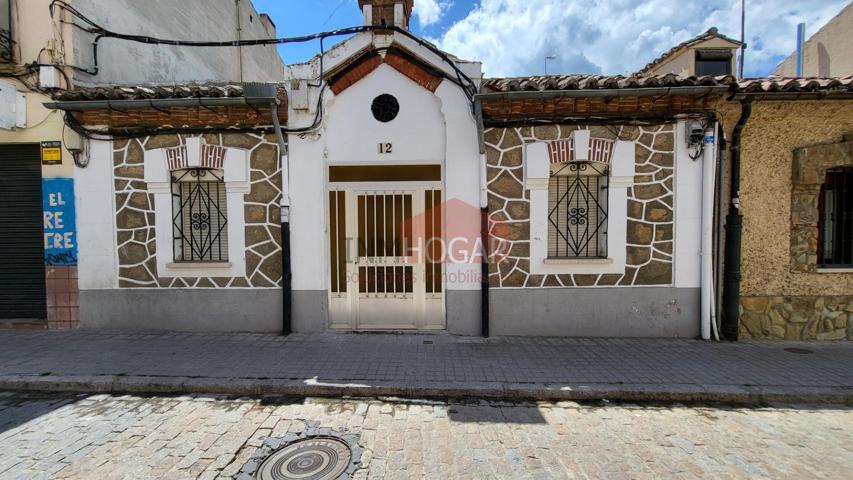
pixel 310 311
pixel 596 312
pixel 580 312
pixel 190 310
pixel 463 312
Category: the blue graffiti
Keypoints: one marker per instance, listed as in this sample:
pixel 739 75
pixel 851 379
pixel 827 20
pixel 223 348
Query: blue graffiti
pixel 65 258
pixel 60 221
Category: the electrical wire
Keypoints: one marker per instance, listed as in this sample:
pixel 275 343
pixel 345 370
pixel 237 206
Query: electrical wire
pixel 45 119
pixel 469 87
pixel 340 4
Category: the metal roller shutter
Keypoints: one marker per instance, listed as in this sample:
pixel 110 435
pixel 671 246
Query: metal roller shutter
pixel 22 285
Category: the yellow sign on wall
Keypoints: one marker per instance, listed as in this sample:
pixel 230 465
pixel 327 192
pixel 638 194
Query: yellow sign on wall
pixel 51 153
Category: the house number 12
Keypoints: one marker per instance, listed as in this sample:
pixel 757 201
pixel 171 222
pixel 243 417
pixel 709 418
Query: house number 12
pixel 385 148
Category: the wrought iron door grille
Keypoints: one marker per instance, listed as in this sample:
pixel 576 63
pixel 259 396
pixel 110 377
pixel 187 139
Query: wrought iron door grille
pixel 384 240
pixel 836 219
pixel 200 217
pixel 577 210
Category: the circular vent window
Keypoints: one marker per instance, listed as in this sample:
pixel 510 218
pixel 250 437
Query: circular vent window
pixel 385 108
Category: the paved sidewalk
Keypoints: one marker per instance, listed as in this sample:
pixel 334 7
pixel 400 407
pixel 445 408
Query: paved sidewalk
pixel 427 366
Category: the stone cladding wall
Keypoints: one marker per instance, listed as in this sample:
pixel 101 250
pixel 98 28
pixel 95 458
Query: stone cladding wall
pixel 136 231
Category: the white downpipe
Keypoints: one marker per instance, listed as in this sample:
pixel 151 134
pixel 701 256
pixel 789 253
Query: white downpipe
pixel 484 196
pixel 285 188
pixel 715 330
pixel 708 184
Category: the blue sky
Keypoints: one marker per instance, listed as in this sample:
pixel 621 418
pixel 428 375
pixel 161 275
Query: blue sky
pixel 513 37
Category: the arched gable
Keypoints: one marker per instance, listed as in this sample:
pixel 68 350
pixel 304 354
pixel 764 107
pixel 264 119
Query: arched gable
pixel 416 134
pixel 365 62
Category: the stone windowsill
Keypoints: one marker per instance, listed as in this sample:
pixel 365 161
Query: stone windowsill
pixel 578 261
pixel 179 265
pixel 834 270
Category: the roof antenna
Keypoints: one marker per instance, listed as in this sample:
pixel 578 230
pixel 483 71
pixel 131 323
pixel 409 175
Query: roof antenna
pixel 549 57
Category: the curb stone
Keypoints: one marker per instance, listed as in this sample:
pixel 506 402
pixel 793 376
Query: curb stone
pixel 493 390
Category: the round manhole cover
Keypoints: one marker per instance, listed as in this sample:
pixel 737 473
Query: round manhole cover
pixel 316 458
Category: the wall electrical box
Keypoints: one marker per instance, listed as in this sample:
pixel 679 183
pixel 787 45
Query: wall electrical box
pixel 299 94
pixel 49 77
pixel 694 133
pixel 8 105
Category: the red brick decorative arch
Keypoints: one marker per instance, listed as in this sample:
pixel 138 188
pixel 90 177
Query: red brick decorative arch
pixel 395 57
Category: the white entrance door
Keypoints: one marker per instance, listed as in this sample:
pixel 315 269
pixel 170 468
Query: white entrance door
pixel 393 275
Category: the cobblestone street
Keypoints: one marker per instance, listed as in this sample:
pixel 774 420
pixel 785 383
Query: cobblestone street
pixel 105 437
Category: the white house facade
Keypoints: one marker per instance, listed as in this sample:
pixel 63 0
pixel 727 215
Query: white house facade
pixel 406 193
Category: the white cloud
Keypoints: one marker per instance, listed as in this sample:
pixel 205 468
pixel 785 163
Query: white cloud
pixel 430 12
pixel 513 37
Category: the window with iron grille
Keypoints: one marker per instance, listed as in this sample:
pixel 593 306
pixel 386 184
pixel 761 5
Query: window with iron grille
pixel 199 216
pixel 835 225
pixel 577 210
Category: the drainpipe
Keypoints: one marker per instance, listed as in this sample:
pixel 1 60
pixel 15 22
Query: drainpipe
pixel 268 91
pixel 734 229
pixel 708 167
pixel 484 224
pixel 286 273
pixel 718 230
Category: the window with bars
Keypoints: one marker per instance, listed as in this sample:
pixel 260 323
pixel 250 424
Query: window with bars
pixel 577 210
pixel 835 224
pixel 384 238
pixel 199 216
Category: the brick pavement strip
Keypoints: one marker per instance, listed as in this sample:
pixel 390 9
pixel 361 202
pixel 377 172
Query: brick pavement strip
pixel 534 368
pixel 75 436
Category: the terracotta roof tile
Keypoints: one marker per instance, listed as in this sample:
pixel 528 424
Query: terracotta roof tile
pixel 593 82
pixel 796 85
pixel 150 92
pixel 499 85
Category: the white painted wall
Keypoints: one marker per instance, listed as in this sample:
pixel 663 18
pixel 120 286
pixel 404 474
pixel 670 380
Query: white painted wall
pixel 430 128
pixel 308 223
pixel 93 192
pixel 462 173
pixel 688 214
pixel 417 134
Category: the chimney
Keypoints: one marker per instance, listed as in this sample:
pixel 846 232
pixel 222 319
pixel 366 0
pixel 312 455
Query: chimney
pixel 801 45
pixel 387 12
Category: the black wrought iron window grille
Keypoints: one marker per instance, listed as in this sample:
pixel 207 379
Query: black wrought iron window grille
pixel 577 210
pixel 199 216
pixel 835 223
